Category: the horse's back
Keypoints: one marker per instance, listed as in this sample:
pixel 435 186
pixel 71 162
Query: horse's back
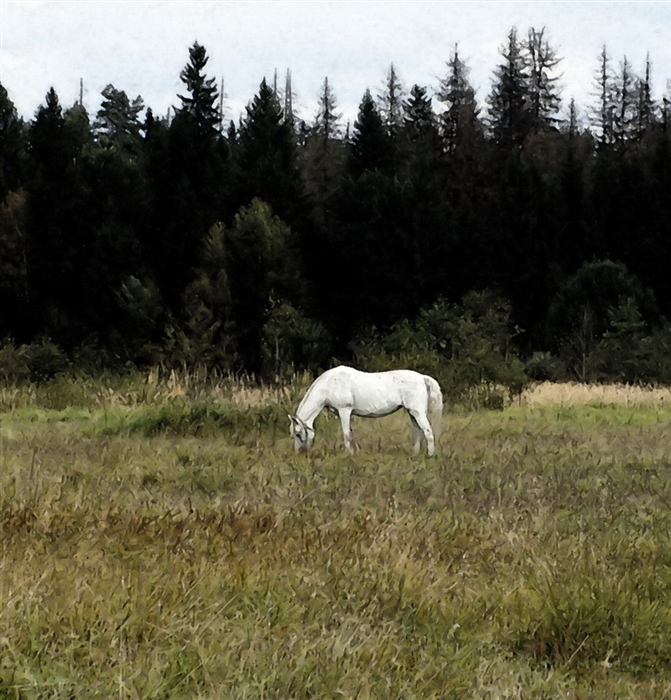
pixel 372 393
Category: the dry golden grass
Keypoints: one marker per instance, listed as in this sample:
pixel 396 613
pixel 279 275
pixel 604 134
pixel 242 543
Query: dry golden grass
pixel 574 394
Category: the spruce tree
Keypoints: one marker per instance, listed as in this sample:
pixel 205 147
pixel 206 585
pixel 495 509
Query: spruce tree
pixel 57 226
pixel 544 97
pixel 370 147
pixel 459 123
pixel 266 157
pixel 327 121
pixel 625 119
pixel 201 103
pixel 12 146
pixel 118 120
pixel 322 156
pixel 510 117
pixel 189 175
pixel 604 117
pixel 390 102
pixel 418 112
pixel 646 109
pixel 262 267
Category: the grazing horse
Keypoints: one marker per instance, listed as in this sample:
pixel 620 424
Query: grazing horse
pixel 347 392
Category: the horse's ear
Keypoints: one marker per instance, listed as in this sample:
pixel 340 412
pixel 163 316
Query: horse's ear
pixel 293 419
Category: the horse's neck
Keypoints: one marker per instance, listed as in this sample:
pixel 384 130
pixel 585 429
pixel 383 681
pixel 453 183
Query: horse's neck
pixel 310 407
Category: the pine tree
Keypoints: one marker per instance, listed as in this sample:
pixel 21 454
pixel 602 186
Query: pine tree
pixel 646 110
pixel 118 120
pixel 323 154
pixel 370 146
pixel 12 146
pixel 266 157
pixel 544 98
pixel 510 117
pixel 188 171
pixel 418 112
pixel 604 117
pixel 625 120
pixel 327 121
pixel 289 116
pixel 421 144
pixel 201 104
pixel 459 123
pixel 572 127
pixel 391 102
pixel 57 229
pixel 262 267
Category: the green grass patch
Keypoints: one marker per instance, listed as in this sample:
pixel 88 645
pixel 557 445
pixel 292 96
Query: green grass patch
pixel 198 419
pixel 179 548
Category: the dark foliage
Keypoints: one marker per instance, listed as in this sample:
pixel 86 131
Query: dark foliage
pixel 278 244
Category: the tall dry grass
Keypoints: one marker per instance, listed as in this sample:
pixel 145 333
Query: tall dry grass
pixel 574 393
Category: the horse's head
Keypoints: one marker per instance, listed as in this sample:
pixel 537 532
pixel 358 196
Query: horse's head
pixel 302 434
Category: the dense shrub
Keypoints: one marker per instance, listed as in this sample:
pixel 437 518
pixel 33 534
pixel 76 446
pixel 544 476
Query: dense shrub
pixel 468 348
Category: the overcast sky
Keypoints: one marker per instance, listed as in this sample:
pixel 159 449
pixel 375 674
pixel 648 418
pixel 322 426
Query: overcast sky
pixel 141 46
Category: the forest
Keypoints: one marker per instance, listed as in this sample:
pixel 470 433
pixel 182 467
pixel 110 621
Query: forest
pixel 516 239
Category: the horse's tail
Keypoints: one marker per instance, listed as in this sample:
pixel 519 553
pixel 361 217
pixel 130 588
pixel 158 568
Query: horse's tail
pixel 435 404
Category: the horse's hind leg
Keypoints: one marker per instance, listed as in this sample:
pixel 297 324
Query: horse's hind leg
pixel 422 422
pixel 417 434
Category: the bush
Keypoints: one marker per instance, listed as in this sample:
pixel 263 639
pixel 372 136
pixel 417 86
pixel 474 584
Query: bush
pixel 601 298
pixel 545 367
pixel 468 348
pixel 293 342
pixel 36 362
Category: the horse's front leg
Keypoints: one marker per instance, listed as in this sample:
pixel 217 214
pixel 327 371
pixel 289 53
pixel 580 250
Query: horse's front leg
pixel 346 423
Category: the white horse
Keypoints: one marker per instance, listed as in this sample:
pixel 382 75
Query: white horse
pixel 347 392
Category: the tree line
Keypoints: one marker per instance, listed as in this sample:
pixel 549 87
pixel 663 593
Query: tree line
pixel 510 236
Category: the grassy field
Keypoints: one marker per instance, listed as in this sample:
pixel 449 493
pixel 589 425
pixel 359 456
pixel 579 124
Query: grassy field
pixel 160 539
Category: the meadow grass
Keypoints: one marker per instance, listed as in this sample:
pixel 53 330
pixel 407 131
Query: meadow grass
pixel 160 539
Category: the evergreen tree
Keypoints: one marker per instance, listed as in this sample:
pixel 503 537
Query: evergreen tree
pixel 13 281
pixel 13 273
pixel 208 330
pixel 262 267
pixel 646 109
pixel 391 102
pixel 201 103
pixel 118 120
pixel 327 121
pixel 579 314
pixel 12 146
pixel 370 146
pixel 460 124
pixel 421 145
pixel 419 118
pixel 625 120
pixel 323 154
pixel 544 98
pixel 289 115
pixel 510 118
pixel 57 228
pixel 604 117
pixel 266 158
pixel 188 173
pixel 572 126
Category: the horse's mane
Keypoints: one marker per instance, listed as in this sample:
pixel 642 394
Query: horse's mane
pixel 307 395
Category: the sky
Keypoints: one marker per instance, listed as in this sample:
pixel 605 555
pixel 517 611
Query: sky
pixel 140 46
